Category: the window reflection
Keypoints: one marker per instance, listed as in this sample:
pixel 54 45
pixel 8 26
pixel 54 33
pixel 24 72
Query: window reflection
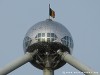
pixel 48 39
pixel 39 34
pixel 43 34
pixel 52 39
pixel 48 34
pixel 66 40
pixel 52 34
pixel 41 37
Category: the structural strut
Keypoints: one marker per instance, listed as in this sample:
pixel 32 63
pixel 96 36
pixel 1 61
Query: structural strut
pixel 17 63
pixel 77 64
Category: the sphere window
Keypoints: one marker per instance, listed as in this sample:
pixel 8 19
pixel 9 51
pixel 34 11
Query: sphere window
pixel 48 34
pixel 39 34
pixel 52 34
pixel 48 39
pixel 52 39
pixel 55 37
pixel 66 40
pixel 41 37
pixel 28 41
pixel 43 34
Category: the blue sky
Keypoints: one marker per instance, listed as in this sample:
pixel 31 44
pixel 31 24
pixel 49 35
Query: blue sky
pixel 80 17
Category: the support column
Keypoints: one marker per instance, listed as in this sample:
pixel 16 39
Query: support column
pixel 17 63
pixel 77 64
pixel 48 71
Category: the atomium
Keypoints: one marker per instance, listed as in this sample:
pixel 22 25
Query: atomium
pixel 48 46
pixel 48 36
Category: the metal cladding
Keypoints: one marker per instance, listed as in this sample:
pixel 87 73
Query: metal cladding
pixel 48 36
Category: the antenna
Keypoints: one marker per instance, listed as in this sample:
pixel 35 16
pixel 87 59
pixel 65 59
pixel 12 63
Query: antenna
pixel 49 11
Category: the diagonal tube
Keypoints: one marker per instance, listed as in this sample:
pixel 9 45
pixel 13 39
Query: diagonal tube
pixel 77 64
pixel 17 63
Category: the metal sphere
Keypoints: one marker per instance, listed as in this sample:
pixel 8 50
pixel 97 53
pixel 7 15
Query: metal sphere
pixel 48 36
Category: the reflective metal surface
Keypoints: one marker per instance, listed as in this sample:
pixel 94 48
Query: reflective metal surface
pixel 48 36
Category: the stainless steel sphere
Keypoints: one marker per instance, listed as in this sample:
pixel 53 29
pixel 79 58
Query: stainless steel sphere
pixel 48 36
